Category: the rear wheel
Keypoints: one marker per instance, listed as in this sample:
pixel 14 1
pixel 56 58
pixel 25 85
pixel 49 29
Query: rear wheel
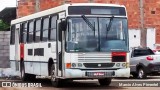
pixel 135 75
pixel 56 82
pixel 141 73
pixel 105 81
pixel 25 76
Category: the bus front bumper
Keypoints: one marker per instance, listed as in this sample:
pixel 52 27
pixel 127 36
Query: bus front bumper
pixel 93 74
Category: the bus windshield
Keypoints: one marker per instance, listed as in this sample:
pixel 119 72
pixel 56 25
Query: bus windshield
pixel 109 34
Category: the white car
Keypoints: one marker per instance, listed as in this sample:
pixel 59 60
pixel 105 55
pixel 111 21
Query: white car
pixel 157 51
pixel 144 62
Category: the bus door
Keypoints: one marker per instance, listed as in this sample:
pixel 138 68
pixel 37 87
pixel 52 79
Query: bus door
pixel 17 49
pixel 60 48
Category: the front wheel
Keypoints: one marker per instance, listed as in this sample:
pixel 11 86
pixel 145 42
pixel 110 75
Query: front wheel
pixel 56 82
pixel 105 81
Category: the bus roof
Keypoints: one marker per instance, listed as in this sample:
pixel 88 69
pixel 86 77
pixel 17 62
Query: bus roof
pixel 59 9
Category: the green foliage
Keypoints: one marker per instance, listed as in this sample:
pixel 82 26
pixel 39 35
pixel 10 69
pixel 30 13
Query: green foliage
pixel 3 25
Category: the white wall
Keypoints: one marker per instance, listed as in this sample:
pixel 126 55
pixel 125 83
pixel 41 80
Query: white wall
pixel 151 38
pixel 134 38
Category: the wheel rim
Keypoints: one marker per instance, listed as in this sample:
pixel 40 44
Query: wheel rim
pixel 22 73
pixel 53 75
pixel 141 73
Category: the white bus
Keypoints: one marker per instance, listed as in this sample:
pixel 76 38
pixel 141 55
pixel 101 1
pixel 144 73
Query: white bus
pixel 72 41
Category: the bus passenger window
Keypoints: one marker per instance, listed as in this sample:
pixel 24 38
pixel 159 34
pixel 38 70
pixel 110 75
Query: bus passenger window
pixel 12 39
pixel 38 30
pixel 45 29
pixel 30 33
pixel 53 28
pixel 24 33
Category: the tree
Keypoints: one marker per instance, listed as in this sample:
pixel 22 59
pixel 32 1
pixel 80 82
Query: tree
pixel 3 25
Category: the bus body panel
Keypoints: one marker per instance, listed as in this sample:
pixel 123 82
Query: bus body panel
pixel 76 73
pixel 37 63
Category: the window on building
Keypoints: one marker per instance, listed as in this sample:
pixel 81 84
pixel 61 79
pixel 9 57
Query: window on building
pixel 53 28
pixel 12 37
pixel 45 29
pixel 38 30
pixel 30 32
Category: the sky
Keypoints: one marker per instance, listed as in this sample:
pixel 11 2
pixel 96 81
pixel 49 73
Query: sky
pixel 7 3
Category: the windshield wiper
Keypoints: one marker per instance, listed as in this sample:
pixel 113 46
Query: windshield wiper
pixel 109 25
pixel 88 22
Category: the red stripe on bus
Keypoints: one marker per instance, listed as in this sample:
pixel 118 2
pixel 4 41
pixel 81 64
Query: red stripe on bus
pixel 22 51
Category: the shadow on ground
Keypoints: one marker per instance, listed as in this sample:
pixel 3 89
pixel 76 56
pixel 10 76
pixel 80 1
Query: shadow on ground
pixel 74 85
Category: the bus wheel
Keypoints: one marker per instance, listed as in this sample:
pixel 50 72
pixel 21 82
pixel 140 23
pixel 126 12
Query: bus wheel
pixel 25 76
pixel 105 81
pixel 56 82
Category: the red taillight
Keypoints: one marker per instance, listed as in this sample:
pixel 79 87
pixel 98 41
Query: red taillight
pixel 118 56
pixel 149 58
pixel 118 53
pixel 154 50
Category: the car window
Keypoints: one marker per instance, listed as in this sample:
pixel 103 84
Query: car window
pixel 142 52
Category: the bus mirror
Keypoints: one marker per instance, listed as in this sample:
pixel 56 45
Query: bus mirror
pixel 62 25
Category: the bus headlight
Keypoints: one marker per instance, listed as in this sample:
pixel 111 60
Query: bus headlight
pixel 73 65
pixel 123 64
pixel 79 64
pixel 118 64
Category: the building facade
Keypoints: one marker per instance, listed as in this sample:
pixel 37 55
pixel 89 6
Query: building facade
pixel 140 12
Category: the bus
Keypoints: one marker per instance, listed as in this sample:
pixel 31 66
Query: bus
pixel 72 41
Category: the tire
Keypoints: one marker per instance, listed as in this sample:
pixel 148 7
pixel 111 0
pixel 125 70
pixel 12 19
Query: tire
pixel 56 82
pixel 105 81
pixel 135 75
pixel 25 76
pixel 141 73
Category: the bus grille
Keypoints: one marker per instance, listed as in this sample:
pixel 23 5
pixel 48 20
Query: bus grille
pixel 94 57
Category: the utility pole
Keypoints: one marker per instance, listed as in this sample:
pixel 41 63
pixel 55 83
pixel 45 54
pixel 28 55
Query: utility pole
pixel 90 1
pixel 37 6
pixel 143 30
pixel 17 2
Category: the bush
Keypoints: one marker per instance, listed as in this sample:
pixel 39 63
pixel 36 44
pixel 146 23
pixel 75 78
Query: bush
pixel 4 26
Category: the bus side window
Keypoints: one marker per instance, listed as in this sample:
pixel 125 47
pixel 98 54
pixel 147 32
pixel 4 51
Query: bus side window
pixel 23 33
pixel 38 30
pixel 53 28
pixel 12 37
pixel 45 29
pixel 30 32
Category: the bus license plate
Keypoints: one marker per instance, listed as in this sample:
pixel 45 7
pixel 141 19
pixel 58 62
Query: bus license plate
pixel 98 74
